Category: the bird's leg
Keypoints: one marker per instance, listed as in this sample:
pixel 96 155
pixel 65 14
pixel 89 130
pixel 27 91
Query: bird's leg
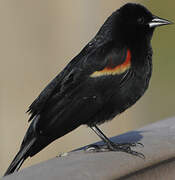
pixel 111 146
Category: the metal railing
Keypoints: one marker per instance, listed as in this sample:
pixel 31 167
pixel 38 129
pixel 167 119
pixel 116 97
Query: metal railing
pixel 159 162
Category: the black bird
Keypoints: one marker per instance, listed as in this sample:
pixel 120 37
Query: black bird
pixel 108 76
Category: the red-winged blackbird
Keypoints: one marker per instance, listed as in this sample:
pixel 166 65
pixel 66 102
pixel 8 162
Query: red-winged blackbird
pixel 108 76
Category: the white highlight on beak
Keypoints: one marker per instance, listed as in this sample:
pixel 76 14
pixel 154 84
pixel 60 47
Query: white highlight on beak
pixel 158 22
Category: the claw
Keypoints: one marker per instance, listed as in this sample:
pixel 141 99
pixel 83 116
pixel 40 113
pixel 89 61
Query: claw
pixel 138 154
pixel 132 144
pixel 124 147
pixel 127 149
pixel 141 145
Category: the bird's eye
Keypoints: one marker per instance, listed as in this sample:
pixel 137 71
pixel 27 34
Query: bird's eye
pixel 141 20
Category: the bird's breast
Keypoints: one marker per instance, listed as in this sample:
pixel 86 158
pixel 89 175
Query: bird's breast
pixel 137 84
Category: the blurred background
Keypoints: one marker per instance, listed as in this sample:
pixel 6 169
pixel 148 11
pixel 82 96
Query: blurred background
pixel 39 37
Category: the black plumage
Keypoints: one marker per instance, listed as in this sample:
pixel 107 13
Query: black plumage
pixel 108 76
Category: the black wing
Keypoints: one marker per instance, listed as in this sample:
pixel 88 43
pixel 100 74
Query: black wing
pixel 76 70
pixel 75 77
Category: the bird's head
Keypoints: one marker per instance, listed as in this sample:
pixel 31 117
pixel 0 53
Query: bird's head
pixel 134 21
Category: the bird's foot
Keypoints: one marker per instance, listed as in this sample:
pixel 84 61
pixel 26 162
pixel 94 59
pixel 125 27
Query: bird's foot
pixel 123 147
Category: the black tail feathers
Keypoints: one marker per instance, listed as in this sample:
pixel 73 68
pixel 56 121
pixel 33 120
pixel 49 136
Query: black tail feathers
pixel 20 157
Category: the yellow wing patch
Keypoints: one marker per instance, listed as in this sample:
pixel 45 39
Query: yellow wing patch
pixel 119 69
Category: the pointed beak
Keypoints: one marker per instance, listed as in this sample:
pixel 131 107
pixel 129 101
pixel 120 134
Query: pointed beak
pixel 156 21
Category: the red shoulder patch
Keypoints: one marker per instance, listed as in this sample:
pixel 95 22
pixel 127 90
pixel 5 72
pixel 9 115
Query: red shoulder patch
pixel 119 69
